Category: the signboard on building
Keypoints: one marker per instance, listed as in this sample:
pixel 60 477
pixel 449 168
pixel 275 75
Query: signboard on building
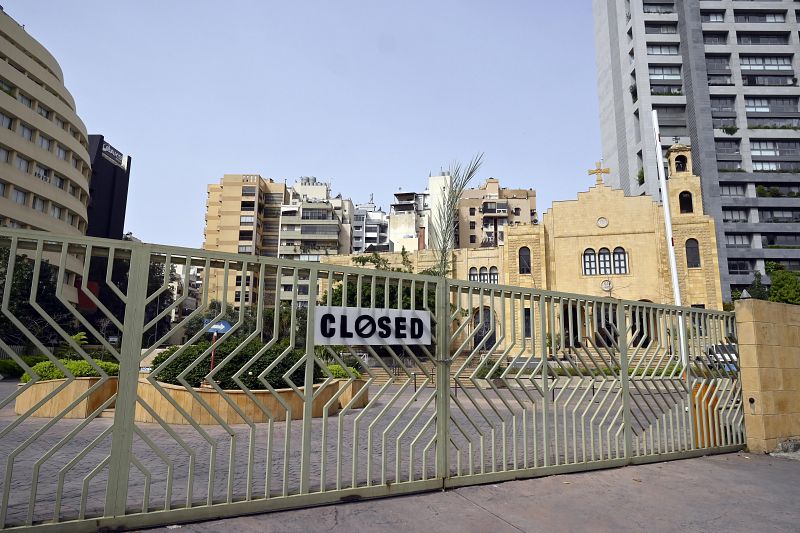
pixel 112 154
pixel 374 327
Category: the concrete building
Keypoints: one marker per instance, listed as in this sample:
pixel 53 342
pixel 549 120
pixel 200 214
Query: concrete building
pixel 108 189
pixel 243 215
pixel 413 213
pixel 485 212
pixel 44 148
pixel 313 224
pixel 723 77
pixel 603 243
pixel 370 228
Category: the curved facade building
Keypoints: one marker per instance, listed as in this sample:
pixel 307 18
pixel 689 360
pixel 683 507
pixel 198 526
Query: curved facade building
pixel 44 158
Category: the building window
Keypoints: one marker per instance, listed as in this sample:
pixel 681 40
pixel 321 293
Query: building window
pixel 620 261
pixel 20 197
pixel 731 190
pixel 237 296
pixel 685 201
pixel 23 164
pixel 665 73
pixel 472 211
pixel 662 49
pixel 70 219
pixel 42 173
pixel 517 211
pixel 484 275
pixel 55 211
pixel 38 204
pixel 526 320
pixel 472 239
pixel 245 249
pixel 3 155
pixel 692 254
pixel 26 132
pixel 24 100
pixel 737 240
pixel 61 153
pixel 43 111
pixel 246 220
pixel 44 142
pixel 58 181
pixel 494 275
pixel 2 188
pixel 734 215
pixel 5 121
pixel 604 261
pixel 524 260
pixel 473 274
pixel 589 262
pixel 472 224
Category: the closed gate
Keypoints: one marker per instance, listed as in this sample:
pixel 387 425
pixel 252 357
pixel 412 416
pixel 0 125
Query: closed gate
pixel 194 424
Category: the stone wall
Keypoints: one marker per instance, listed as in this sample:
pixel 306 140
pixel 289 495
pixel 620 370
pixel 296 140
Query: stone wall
pixel 769 353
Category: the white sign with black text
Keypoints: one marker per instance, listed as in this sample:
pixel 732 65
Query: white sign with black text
pixel 366 326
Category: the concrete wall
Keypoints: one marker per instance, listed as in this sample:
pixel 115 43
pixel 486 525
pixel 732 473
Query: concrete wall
pixel 769 353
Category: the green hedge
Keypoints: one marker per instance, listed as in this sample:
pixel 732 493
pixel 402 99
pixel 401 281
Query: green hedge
pixel 225 375
pixel 10 369
pixel 339 373
pixel 47 370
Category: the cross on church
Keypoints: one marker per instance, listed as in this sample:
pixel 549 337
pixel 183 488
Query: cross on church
pixel 599 171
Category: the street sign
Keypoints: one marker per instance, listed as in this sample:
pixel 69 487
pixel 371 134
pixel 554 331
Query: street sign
pixel 220 327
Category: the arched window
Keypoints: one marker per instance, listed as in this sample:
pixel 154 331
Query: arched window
pixel 473 274
pixel 680 163
pixel 494 275
pixel 604 261
pixel 685 200
pixel 589 262
pixel 484 275
pixel 620 261
pixel 692 254
pixel 524 260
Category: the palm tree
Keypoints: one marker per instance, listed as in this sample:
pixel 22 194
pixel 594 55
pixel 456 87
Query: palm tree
pixel 444 221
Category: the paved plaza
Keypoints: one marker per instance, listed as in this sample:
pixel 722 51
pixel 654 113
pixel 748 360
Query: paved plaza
pixel 731 493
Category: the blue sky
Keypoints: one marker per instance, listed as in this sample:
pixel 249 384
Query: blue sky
pixel 370 95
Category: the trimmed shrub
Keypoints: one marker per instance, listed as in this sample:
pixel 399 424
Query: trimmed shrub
pixel 10 369
pixel 224 375
pixel 339 373
pixel 47 370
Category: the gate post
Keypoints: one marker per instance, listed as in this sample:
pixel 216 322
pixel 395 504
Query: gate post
pixel 125 406
pixel 442 377
pixel 622 341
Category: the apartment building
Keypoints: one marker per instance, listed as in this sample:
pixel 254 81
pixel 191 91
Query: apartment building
pixel 313 224
pixel 486 211
pixel 243 213
pixel 723 77
pixel 370 228
pixel 44 148
pixel 413 214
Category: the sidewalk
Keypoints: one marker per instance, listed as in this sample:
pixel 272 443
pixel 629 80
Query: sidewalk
pixel 734 492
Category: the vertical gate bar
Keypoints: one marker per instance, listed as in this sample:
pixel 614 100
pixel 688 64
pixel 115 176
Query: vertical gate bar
pixel 442 377
pixel 308 386
pixel 545 378
pixel 624 380
pixel 130 354
pixel 689 383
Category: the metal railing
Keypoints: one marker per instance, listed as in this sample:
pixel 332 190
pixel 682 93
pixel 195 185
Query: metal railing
pixel 516 382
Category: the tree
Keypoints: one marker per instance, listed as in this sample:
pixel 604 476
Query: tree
pixel 445 220
pixel 19 302
pixel 785 286
pixel 757 289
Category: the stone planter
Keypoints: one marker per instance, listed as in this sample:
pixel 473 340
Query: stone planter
pixel 269 406
pixel 353 389
pixel 36 392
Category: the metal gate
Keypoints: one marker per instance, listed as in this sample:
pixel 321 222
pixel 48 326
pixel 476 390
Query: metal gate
pixel 516 383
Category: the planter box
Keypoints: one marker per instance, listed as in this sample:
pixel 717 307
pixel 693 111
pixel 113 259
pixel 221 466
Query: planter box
pixel 270 406
pixel 36 392
pixel 353 389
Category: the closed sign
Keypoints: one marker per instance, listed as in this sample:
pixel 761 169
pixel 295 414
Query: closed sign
pixel 353 325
